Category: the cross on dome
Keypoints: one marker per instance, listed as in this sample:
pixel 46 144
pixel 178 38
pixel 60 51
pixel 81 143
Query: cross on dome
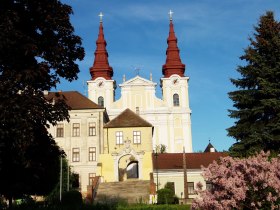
pixel 101 16
pixel 170 14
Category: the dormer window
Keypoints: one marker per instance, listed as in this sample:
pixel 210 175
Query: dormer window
pixel 176 101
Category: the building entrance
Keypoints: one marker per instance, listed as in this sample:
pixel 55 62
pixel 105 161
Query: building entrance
pixel 128 168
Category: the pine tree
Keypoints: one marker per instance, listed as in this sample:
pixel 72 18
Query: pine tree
pixel 257 100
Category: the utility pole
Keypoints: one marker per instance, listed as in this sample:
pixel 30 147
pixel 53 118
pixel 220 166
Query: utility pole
pixel 60 181
pixel 156 155
pixel 186 194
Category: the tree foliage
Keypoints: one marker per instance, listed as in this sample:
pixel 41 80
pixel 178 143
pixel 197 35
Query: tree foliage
pixel 252 183
pixel 257 101
pixel 37 48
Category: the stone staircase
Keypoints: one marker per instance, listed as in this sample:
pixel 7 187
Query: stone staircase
pixel 133 191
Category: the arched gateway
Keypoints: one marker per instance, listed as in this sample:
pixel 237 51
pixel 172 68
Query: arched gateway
pixel 128 163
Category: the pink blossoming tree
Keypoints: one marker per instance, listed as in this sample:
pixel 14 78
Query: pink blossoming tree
pixel 252 183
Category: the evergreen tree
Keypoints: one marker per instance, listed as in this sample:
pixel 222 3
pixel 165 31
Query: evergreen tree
pixel 37 48
pixel 257 101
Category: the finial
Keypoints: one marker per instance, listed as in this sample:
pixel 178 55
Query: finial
pixel 170 14
pixel 101 16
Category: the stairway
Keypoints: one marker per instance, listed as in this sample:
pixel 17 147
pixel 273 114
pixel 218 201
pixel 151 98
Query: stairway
pixel 132 191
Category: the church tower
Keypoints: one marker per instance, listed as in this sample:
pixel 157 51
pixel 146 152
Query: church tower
pixel 175 92
pixel 101 87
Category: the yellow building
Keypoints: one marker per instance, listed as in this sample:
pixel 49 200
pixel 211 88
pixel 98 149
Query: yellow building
pixel 126 152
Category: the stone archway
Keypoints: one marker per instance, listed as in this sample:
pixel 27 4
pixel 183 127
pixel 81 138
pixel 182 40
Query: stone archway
pixel 127 157
pixel 128 167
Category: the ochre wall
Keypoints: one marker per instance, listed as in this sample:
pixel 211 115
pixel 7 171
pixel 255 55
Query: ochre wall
pixel 112 152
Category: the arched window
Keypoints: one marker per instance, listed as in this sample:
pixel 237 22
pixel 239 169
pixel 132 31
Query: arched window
pixel 101 101
pixel 176 101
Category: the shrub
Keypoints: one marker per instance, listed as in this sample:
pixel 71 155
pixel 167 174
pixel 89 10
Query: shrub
pixel 165 196
pixel 252 183
pixel 72 199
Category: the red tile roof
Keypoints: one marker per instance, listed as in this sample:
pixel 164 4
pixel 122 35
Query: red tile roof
pixel 193 160
pixel 128 119
pixel 74 100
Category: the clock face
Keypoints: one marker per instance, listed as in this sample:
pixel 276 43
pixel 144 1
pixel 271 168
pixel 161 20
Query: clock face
pixel 175 81
pixel 100 84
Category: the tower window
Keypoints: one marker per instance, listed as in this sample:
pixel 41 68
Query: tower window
pixel 176 101
pixel 101 101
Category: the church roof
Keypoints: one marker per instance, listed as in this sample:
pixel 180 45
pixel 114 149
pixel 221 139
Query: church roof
pixel 174 161
pixel 101 67
pixel 74 100
pixel 173 64
pixel 127 119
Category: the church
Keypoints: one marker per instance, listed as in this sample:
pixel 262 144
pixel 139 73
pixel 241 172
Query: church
pixel 119 141
pixel 170 116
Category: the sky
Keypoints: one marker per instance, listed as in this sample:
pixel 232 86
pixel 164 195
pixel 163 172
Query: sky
pixel 212 35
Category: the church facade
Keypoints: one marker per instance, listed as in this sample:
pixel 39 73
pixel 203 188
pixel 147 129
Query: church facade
pixel 110 141
pixel 170 115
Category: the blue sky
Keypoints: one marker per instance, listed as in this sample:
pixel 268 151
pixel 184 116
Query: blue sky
pixel 212 35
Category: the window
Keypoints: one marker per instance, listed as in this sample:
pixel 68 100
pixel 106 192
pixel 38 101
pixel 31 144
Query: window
pixel 76 154
pixel 190 187
pixel 91 178
pixel 76 129
pixel 101 101
pixel 176 101
pixel 75 180
pixel 209 186
pixel 59 130
pixel 119 137
pixel 92 154
pixel 136 137
pixel 92 129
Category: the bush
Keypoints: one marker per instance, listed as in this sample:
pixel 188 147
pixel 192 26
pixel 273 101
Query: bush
pixel 165 196
pixel 155 207
pixel 251 183
pixel 72 199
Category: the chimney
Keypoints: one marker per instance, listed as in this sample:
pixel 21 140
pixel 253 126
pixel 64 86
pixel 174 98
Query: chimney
pixel 137 110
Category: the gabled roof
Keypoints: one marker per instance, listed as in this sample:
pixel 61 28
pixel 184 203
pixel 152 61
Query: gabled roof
pixel 127 119
pixel 208 148
pixel 172 161
pixel 73 99
pixel 138 81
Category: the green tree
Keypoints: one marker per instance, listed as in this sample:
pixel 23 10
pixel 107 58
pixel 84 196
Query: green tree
pixel 37 48
pixel 257 100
